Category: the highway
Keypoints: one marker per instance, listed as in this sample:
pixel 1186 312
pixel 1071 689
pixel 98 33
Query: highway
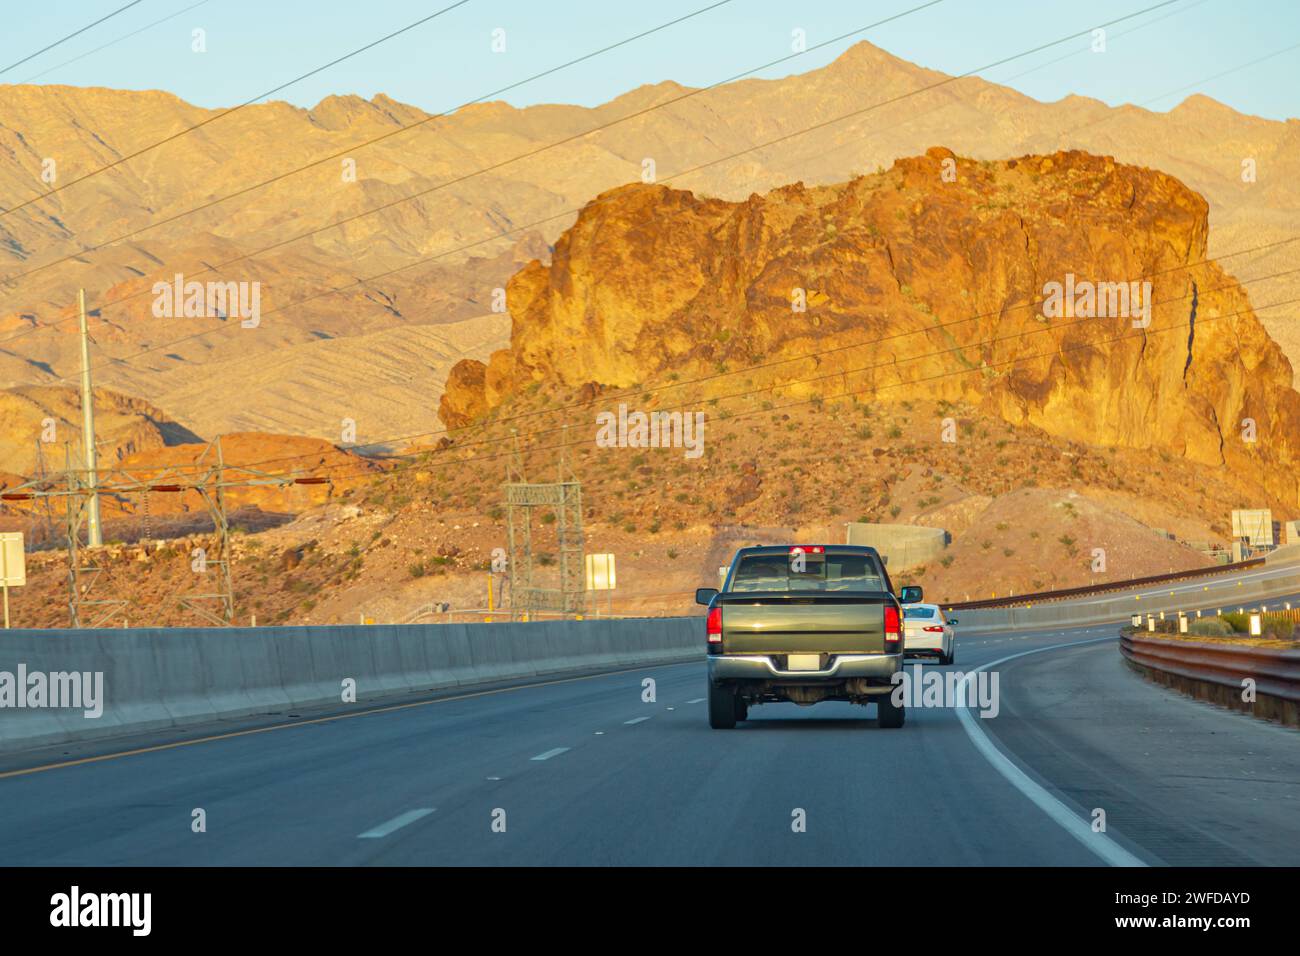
pixel 587 773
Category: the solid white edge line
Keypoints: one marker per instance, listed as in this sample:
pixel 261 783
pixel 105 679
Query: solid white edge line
pixel 547 755
pixel 409 817
pixel 1110 852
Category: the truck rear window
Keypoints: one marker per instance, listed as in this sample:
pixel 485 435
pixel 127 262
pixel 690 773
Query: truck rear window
pixel 829 572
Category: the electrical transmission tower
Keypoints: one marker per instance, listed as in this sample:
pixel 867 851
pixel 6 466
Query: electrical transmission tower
pixel 205 476
pixel 211 488
pixel 81 510
pixel 563 499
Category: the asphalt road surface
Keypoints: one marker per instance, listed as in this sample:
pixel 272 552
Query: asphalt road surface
pixel 584 771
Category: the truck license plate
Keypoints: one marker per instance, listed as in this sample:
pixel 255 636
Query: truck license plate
pixel 803 662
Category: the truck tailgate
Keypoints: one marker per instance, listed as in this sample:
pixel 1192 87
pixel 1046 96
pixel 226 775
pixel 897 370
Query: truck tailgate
pixel 815 623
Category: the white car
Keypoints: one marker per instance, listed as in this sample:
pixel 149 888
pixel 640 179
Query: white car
pixel 928 633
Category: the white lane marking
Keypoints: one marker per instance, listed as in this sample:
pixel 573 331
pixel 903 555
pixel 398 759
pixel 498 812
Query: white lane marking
pixel 635 720
pixel 1107 849
pixel 551 753
pixel 410 816
pixel 697 700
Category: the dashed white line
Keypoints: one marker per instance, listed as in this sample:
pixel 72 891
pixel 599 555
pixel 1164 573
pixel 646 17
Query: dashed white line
pixel 551 753
pixel 635 720
pixel 697 700
pixel 410 816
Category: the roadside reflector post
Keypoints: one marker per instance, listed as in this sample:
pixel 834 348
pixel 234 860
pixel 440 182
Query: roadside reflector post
pixel 1182 624
pixel 1255 626
pixel 1137 620
pixel 1151 623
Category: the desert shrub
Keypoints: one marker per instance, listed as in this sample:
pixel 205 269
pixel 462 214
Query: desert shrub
pixel 1209 627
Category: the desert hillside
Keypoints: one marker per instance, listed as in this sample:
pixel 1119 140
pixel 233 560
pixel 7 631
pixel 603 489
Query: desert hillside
pixel 903 285
pixel 36 422
pixel 441 236
pixel 1025 510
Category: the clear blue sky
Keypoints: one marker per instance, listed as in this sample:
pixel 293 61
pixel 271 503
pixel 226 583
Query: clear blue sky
pixel 254 45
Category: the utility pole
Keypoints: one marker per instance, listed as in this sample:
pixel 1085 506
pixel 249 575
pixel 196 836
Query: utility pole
pixel 94 537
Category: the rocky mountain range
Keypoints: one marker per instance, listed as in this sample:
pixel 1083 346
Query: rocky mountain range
pixel 446 235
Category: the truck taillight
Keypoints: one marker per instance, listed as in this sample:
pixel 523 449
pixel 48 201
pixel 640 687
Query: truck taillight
pixel 808 549
pixel 713 625
pixel 893 632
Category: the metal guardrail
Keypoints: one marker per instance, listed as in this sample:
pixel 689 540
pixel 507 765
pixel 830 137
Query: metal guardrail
pixel 1216 672
pixel 1043 597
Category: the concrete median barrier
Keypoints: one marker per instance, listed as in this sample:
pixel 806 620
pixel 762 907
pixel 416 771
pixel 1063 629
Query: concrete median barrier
pixel 156 679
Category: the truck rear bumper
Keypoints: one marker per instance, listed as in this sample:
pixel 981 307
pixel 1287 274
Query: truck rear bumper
pixel 732 667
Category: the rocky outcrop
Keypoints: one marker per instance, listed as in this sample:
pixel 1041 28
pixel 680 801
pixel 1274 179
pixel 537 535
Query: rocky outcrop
pixel 47 416
pixel 1006 285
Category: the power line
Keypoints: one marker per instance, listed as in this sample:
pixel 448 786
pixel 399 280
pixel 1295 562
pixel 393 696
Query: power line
pixel 846 346
pixel 125 36
pixel 234 109
pixel 641 392
pixel 358 146
pixel 547 219
pixel 77 33
pixel 873 389
pixel 1111 113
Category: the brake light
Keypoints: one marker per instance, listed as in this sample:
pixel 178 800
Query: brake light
pixel 713 625
pixel 808 549
pixel 893 632
pixel 933 629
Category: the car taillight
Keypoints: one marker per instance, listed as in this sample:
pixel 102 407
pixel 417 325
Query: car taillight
pixel 893 633
pixel 713 625
pixel 933 629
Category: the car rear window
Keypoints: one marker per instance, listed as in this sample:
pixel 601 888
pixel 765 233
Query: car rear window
pixel 918 612
pixel 821 572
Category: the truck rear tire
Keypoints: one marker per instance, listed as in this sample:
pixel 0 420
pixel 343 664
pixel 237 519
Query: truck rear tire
pixel 722 707
pixel 888 715
pixel 742 709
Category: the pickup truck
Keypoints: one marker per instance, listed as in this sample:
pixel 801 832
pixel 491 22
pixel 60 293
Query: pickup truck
pixel 804 623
